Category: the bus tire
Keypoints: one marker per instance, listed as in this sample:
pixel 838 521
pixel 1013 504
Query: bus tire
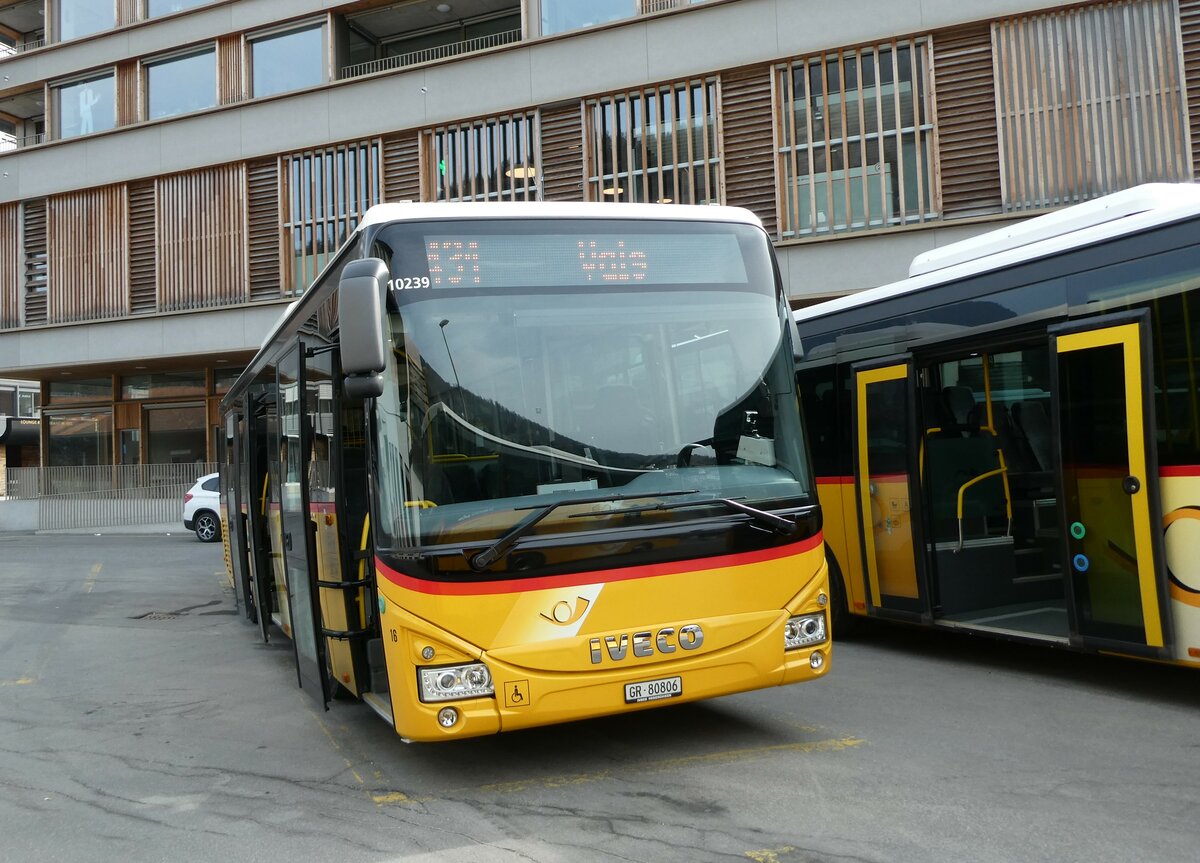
pixel 841 621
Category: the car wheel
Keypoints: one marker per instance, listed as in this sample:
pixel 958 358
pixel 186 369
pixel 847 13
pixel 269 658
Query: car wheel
pixel 208 527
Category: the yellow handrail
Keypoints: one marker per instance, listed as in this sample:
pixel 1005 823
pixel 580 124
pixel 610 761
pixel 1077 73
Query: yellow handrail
pixel 962 490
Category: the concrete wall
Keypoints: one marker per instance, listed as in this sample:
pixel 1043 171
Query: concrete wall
pixel 18 515
pixel 702 39
pixel 220 331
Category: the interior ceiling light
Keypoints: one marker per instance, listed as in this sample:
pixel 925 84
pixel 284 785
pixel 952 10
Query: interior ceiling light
pixel 443 8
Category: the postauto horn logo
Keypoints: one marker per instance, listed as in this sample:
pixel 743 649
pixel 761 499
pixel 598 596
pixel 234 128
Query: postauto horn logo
pixel 647 643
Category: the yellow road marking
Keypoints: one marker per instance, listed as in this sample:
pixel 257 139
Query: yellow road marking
pixel 392 797
pixel 769 855
pixel 20 681
pixel 91 581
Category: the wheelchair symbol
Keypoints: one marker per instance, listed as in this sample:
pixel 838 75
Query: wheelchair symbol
pixel 516 693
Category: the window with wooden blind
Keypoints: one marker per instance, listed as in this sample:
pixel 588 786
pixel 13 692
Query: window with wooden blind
pixel 328 191
pixel 1090 102
pixel 492 159
pixel 856 140
pixel 655 145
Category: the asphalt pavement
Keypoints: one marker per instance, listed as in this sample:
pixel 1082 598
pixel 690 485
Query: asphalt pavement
pixel 142 719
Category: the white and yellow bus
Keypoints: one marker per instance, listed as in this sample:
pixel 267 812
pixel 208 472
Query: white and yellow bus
pixel 1008 441
pixel 505 465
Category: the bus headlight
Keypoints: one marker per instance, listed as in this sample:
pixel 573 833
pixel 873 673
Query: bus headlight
pixel 804 630
pixel 452 682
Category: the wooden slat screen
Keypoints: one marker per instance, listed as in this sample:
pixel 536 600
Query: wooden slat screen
pixel 10 267
pixel 857 140
pixel 968 140
pixel 562 152
pixel 128 11
pixel 1090 102
pixel 37 264
pixel 748 135
pixel 402 168
pixel 655 144
pixel 201 238
pixel 128 89
pixel 325 193
pixel 263 229
pixel 489 159
pixel 230 79
pixel 143 249
pixel 87 236
pixel 1189 27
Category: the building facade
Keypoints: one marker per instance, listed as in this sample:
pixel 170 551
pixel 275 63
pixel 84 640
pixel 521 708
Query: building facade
pixel 172 172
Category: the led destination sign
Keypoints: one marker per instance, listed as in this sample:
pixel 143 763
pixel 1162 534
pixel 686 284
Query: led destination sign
pixel 562 260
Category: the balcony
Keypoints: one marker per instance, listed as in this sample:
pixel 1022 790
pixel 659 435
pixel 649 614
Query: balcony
pixel 406 34
pixel 22 27
pixel 22 120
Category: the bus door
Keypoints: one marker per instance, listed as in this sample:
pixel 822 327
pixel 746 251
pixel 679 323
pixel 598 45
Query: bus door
pixel 299 551
pixel 260 431
pixel 884 456
pixel 1109 490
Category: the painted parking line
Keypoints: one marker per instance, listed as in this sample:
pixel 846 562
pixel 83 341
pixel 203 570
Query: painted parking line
pixel 91 579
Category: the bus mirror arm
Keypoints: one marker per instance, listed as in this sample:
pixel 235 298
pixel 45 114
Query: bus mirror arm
pixel 361 293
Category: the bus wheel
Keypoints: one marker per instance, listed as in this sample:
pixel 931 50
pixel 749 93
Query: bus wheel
pixel 841 621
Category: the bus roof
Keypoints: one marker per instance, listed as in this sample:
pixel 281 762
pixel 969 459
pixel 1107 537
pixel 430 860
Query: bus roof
pixel 411 211
pixel 1085 224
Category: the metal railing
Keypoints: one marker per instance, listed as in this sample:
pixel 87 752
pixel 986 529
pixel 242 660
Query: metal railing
pixel 8 142
pixel 427 55
pixel 105 495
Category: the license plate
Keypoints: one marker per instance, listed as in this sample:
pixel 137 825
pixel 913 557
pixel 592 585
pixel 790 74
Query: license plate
pixel 653 690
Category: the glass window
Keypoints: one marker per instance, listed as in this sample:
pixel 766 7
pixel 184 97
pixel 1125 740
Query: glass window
pixel 181 84
pixel 289 61
pixel 73 392
pixel 655 146
pixel 162 384
pixel 86 106
pixel 522 384
pixel 131 446
pixel 176 434
pixel 487 160
pixel 80 438
pixel 80 17
pixel 1089 101
pixel 856 140
pixel 560 15
pixel 223 379
pixel 328 192
pixel 28 402
pixel 154 8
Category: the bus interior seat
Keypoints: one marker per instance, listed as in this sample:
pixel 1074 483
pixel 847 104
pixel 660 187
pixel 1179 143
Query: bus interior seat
pixel 959 402
pixel 1033 422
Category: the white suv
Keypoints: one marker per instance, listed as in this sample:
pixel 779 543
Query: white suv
pixel 202 508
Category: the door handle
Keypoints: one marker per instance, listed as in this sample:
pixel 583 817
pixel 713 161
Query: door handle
pixel 287 540
pixel 1131 485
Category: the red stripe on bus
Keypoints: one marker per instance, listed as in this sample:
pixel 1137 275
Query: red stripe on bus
pixel 835 480
pixel 599 576
pixel 1180 470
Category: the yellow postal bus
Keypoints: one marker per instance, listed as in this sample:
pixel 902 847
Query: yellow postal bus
pixel 1008 441
pixel 504 465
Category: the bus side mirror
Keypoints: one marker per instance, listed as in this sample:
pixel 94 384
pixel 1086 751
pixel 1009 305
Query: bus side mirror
pixel 360 327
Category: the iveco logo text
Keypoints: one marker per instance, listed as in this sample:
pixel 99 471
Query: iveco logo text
pixel 645 643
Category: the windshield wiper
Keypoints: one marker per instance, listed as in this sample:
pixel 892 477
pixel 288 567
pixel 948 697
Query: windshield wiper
pixel 770 520
pixel 500 547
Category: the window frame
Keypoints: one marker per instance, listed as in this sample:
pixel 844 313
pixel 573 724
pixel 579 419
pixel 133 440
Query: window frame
pixel 921 136
pixel 471 143
pixel 249 40
pixel 606 185
pixel 56 88
pixel 146 65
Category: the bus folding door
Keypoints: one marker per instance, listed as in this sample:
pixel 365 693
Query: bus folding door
pixel 1109 498
pixel 884 456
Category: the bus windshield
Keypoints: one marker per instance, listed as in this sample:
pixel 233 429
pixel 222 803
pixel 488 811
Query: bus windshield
pixel 535 362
